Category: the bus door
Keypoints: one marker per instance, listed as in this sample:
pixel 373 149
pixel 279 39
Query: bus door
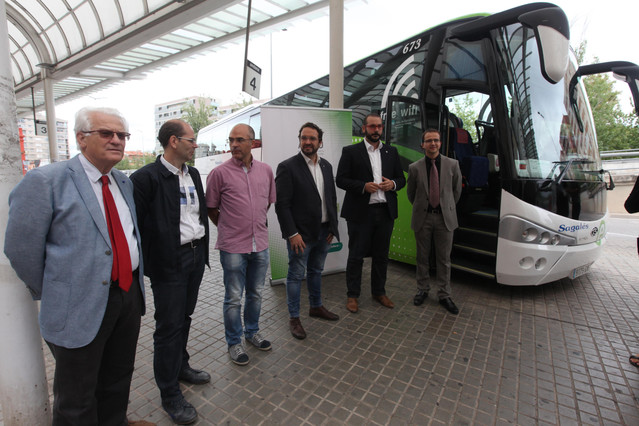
pixel 406 120
pixel 469 134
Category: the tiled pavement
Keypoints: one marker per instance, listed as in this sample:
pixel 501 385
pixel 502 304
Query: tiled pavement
pixel 555 354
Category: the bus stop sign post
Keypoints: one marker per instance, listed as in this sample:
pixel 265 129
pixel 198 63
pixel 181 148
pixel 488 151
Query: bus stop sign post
pixel 252 77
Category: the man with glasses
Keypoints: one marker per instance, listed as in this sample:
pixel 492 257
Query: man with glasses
pixel 239 193
pixel 306 209
pixel 371 175
pixel 434 188
pixel 169 198
pixel 72 237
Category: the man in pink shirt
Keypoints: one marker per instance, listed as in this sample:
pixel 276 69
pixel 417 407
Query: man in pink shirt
pixel 238 194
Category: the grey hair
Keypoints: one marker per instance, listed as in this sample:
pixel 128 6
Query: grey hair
pixel 83 118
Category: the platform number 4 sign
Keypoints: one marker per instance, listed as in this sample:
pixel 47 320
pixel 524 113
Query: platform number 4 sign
pixel 252 76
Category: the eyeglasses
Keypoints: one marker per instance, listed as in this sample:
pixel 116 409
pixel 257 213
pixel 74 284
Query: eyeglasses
pixel 238 140
pixel 309 138
pixel 192 140
pixel 431 140
pixel 108 134
pixel 374 126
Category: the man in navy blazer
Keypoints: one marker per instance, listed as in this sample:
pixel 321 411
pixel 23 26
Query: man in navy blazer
pixel 58 242
pixel 173 219
pixel 306 209
pixel 371 175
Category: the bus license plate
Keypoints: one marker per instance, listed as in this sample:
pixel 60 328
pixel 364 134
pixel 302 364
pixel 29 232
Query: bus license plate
pixel 580 271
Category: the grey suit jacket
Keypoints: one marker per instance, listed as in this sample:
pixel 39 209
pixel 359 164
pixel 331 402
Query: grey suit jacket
pixel 58 243
pixel 449 191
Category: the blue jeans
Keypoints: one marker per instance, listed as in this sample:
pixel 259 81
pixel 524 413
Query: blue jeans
pixel 242 272
pixel 311 262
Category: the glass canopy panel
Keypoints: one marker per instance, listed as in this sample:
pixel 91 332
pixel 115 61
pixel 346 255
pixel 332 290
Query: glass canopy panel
pixel 109 17
pixel 36 11
pixel 73 33
pixel 59 43
pixel 270 8
pixel 132 10
pixel 231 19
pixel 203 30
pixel 222 25
pixel 88 23
pixel 56 7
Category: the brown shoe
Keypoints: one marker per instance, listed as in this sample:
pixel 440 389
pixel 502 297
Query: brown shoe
pixel 384 301
pixel 351 304
pixel 296 328
pixel 322 312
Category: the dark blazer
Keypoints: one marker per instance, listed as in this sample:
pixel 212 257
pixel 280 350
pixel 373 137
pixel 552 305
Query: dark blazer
pixel 298 205
pixel 354 170
pixel 632 202
pixel 157 200
pixel 58 243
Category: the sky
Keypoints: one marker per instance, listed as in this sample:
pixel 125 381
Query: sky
pixel 299 54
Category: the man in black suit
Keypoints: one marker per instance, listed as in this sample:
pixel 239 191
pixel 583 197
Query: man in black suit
pixel 371 175
pixel 306 209
pixel 173 220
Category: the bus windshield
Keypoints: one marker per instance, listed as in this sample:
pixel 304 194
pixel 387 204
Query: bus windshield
pixel 546 131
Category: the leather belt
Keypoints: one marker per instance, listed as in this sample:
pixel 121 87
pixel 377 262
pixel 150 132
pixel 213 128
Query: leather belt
pixel 436 210
pixel 193 244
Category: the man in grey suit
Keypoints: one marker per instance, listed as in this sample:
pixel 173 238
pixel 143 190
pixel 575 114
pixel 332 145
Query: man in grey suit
pixel 433 188
pixel 306 209
pixel 86 272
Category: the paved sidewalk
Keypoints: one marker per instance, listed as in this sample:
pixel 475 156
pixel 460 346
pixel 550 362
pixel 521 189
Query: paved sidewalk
pixel 555 354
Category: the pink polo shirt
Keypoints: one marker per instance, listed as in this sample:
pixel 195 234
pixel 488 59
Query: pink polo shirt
pixel 243 197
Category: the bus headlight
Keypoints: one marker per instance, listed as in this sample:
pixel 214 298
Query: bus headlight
pixel 520 230
pixel 529 234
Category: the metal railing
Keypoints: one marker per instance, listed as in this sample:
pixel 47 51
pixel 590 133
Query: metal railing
pixel 620 153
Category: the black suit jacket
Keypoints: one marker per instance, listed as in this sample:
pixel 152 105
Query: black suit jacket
pixel 354 171
pixel 298 205
pixel 157 202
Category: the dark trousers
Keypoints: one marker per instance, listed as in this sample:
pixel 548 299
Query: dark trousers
pixel 369 237
pixel 91 384
pixel 175 300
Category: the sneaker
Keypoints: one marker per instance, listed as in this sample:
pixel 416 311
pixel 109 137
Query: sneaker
pixel 238 355
pixel 259 342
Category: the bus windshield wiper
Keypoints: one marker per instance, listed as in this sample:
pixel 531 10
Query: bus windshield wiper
pixel 560 176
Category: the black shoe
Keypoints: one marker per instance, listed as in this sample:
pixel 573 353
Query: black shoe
pixel 420 297
pixel 449 305
pixel 196 377
pixel 181 412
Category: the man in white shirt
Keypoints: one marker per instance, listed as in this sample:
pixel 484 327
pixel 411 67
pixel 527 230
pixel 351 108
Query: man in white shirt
pixel 172 216
pixel 306 209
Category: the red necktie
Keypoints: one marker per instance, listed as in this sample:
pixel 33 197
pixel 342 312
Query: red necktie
pixel 433 188
pixel 121 270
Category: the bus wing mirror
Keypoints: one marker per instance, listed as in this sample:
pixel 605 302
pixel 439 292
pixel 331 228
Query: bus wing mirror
pixel 553 40
pixel 622 70
pixel 610 184
pixel 629 75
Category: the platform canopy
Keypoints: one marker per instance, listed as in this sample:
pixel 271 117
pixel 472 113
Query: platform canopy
pixel 88 45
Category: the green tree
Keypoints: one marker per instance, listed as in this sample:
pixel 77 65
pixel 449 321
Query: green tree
pixel 615 128
pixel 198 117
pixel 464 107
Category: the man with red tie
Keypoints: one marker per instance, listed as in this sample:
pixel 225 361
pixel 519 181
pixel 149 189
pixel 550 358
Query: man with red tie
pixel 433 188
pixel 72 237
